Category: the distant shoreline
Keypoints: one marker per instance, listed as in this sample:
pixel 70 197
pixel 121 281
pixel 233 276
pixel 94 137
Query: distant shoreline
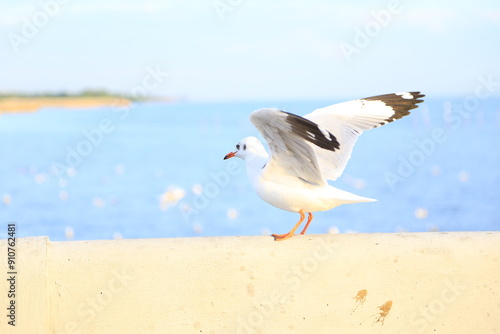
pixel 30 104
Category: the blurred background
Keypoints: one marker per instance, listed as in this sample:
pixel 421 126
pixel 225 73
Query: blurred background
pixel 167 88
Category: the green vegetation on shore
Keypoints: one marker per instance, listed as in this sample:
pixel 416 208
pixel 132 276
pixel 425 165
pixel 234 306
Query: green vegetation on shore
pixel 89 98
pixel 88 93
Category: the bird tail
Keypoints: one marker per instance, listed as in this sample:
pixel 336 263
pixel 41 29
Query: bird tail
pixel 344 197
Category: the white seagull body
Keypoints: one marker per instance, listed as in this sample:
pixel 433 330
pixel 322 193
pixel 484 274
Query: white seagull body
pixel 309 150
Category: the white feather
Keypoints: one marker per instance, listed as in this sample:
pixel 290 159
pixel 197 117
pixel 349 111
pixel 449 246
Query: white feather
pixel 290 154
pixel 346 121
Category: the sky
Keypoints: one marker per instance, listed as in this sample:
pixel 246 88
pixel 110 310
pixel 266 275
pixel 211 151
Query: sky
pixel 217 50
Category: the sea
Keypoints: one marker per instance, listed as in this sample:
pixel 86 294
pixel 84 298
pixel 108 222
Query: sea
pixel 156 170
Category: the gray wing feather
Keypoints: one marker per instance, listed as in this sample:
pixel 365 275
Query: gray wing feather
pixel 289 138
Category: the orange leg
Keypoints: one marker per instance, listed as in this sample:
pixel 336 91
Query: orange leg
pixel 309 220
pixel 279 237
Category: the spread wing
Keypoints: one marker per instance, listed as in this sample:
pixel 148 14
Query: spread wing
pixel 347 120
pixel 292 140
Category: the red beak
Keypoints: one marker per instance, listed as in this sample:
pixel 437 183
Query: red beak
pixel 229 155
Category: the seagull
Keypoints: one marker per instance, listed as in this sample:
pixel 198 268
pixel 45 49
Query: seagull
pixel 309 150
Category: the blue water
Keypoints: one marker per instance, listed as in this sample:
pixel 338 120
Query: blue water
pixel 101 173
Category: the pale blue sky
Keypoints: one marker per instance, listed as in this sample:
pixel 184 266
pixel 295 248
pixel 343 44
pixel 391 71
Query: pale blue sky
pixel 254 50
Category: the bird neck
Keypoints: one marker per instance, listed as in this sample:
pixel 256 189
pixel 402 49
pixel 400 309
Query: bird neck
pixel 255 163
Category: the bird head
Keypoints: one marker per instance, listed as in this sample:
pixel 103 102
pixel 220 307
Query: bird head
pixel 247 147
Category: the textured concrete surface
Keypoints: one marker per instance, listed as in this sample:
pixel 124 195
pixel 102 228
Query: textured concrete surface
pixel 342 283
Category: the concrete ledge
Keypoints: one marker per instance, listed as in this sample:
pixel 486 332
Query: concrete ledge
pixel 343 283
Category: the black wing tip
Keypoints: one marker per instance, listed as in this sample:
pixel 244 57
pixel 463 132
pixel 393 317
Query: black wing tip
pixel 402 96
pixel 416 97
pixel 401 103
pixel 312 132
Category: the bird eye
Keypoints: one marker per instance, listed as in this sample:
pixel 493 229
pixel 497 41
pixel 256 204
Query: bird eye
pixel 244 147
pixel 238 146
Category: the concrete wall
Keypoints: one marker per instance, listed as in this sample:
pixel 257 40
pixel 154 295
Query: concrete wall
pixel 343 283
